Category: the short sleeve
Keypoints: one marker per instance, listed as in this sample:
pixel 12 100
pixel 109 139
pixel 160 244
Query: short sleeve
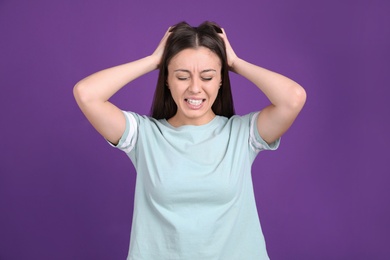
pixel 256 142
pixel 129 137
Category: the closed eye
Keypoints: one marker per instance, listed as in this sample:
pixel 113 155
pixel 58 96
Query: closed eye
pixel 207 79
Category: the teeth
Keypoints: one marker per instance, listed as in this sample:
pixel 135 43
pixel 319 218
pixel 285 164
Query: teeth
pixel 195 102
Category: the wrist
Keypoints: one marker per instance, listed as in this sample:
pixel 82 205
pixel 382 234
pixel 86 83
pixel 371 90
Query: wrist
pixel 234 64
pixel 154 61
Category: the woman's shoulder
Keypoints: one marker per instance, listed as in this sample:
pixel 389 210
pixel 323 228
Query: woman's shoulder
pixel 244 119
pixel 140 118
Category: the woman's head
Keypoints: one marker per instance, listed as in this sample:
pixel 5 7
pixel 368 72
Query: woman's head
pixel 184 42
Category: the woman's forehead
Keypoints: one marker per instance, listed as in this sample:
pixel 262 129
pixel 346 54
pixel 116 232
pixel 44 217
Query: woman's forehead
pixel 201 58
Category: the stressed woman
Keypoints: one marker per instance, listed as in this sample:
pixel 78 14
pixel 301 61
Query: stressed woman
pixel 194 196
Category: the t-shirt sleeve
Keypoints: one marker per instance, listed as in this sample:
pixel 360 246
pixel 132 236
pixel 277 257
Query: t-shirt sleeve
pixel 256 142
pixel 129 137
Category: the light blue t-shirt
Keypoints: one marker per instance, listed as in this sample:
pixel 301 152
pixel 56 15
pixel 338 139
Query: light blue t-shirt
pixel 194 197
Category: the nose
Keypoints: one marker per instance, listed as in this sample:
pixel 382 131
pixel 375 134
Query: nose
pixel 195 86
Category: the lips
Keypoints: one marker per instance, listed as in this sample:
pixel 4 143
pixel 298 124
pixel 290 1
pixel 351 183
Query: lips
pixel 194 104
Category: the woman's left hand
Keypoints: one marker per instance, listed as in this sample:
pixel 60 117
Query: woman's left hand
pixel 231 55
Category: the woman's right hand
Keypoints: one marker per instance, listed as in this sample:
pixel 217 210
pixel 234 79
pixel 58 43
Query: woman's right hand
pixel 158 52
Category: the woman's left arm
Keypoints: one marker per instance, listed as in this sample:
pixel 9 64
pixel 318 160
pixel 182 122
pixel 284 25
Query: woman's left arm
pixel 287 97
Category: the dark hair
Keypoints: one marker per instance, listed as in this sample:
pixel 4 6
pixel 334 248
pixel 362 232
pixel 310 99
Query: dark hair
pixel 184 36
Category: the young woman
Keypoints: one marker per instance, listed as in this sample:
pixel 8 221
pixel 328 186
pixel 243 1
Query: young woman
pixel 194 196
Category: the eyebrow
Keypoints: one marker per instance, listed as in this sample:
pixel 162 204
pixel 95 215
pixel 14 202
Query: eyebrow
pixel 203 71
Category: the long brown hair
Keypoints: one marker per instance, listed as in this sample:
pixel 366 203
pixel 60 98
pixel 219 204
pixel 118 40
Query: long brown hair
pixel 184 36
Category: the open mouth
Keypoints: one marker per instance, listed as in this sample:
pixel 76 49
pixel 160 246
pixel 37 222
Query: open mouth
pixel 194 102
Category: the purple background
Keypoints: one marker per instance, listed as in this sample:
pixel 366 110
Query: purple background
pixel 65 194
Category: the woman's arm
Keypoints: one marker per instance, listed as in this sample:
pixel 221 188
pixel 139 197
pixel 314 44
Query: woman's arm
pixel 93 92
pixel 287 97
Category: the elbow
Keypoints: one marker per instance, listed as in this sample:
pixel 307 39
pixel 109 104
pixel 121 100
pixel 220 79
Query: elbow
pixel 81 94
pixel 298 98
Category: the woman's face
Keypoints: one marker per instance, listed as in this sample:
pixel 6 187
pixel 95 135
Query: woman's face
pixel 194 78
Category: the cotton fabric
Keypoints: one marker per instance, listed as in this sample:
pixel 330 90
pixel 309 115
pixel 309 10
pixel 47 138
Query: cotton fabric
pixel 194 195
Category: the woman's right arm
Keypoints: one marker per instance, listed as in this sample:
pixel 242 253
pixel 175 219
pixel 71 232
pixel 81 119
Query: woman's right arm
pixel 93 92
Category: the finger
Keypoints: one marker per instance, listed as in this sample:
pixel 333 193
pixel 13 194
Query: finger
pixel 169 31
pixel 223 35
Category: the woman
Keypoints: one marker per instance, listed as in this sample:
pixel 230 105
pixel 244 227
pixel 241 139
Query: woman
pixel 194 197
